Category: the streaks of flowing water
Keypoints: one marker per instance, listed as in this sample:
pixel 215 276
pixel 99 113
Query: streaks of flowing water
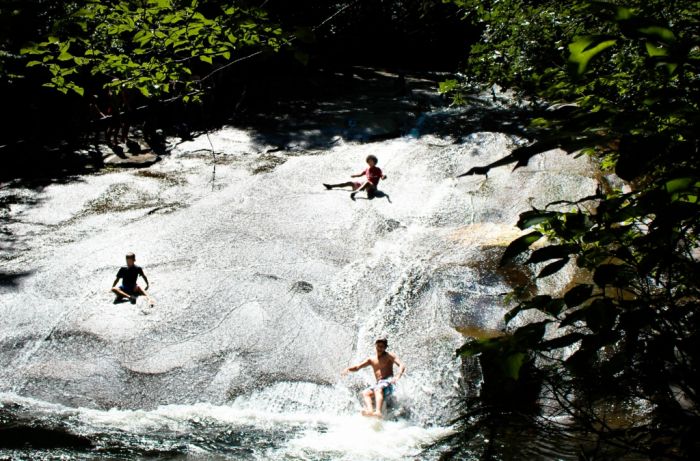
pixel 267 285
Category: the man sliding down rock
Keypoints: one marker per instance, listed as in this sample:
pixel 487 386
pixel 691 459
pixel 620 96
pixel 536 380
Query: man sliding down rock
pixel 129 289
pixel 383 365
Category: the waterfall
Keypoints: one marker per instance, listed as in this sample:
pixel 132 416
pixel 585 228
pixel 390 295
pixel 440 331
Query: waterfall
pixel 266 287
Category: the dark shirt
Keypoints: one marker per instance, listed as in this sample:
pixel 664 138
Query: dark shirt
pixel 130 274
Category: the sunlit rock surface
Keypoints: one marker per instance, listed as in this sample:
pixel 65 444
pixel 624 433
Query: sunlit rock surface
pixel 266 284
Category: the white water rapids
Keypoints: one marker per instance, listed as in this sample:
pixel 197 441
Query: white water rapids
pixel 266 286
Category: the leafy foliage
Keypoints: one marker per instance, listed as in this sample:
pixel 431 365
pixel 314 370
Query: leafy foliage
pixel 631 90
pixel 154 46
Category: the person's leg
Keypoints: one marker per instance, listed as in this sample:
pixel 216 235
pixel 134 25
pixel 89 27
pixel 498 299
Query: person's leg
pixel 379 399
pixel 359 189
pixel 109 133
pixel 342 184
pixel 126 124
pixel 141 291
pixel 367 395
pixel 371 190
pixel 119 292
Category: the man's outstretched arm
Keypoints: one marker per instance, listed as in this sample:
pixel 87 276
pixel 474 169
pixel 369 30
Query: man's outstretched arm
pixel 356 367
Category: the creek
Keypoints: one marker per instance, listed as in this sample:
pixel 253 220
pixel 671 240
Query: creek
pixel 266 287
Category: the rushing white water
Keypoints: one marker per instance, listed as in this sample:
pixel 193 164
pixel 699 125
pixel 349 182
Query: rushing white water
pixel 266 286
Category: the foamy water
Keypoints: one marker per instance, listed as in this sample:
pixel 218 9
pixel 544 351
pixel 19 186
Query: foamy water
pixel 315 435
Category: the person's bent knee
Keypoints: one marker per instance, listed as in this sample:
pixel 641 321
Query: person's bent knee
pixel 368 393
pixel 115 290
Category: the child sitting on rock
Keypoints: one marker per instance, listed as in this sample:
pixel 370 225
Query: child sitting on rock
pixel 129 289
pixel 372 174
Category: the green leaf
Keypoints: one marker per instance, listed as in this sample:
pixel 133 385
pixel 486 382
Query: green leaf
pixel 476 346
pixel 529 335
pixel 577 295
pixel 617 275
pixel 206 58
pixel 560 342
pixel 552 268
pixel 575 316
pixel 600 315
pixel 519 245
pixel 447 86
pixel 580 361
pixel 533 217
pixel 34 63
pixel 78 89
pixel 550 252
pixel 679 184
pixel 584 49
pixel 654 50
pixel 32 50
pixel 662 33
pixel 469 349
pixel 623 13
pixel 510 315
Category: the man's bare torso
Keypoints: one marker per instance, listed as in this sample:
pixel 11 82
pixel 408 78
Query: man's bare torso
pixel 383 365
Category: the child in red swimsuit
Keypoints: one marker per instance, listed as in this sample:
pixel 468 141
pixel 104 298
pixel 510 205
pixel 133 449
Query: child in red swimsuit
pixel 372 174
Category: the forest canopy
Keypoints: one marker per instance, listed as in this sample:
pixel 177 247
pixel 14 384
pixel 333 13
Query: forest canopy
pixel 152 46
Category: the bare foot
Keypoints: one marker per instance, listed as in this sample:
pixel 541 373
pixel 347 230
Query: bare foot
pixel 327 186
pixel 366 412
pixel 377 414
pixel 352 196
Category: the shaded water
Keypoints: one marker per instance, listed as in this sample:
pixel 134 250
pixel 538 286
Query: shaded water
pixel 266 286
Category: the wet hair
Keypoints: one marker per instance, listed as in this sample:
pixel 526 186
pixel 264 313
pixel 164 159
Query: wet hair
pixel 382 340
pixel 131 256
pixel 371 157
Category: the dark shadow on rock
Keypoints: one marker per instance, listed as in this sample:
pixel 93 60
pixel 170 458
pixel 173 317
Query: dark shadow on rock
pixel 26 436
pixel 312 109
pixel 301 286
pixel 13 242
pixel 363 106
pixel 11 279
pixel 362 195
pixel 378 194
pixel 372 105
